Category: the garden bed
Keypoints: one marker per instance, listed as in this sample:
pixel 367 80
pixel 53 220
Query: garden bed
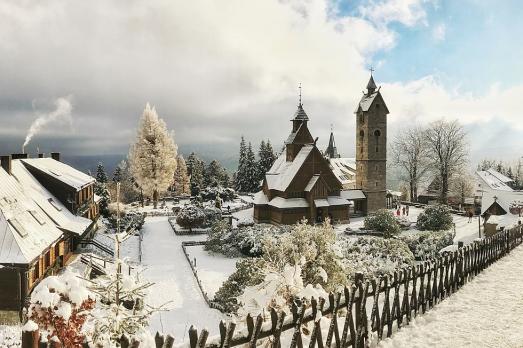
pixel 180 231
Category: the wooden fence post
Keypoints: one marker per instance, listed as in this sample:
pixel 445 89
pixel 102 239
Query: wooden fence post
pixel 360 324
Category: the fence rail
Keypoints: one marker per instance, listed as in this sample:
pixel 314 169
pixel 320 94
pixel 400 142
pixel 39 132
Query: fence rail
pixel 368 308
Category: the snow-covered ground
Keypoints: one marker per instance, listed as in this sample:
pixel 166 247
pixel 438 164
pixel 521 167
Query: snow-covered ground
pixel 166 266
pixel 466 232
pixel 213 269
pixel 10 336
pixel 487 312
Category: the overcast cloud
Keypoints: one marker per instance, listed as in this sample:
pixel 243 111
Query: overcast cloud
pixel 216 70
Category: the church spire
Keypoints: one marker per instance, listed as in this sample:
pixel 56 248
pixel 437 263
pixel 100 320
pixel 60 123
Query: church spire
pixel 331 151
pixel 371 86
pixel 300 114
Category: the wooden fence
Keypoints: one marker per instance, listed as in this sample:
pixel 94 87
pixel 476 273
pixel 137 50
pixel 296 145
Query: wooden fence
pixel 369 308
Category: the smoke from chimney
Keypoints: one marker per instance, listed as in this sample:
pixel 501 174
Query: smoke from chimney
pixel 63 108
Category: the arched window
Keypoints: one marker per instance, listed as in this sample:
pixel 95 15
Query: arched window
pixel 377 135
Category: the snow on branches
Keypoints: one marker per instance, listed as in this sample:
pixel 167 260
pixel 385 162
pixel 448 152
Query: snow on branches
pixel 152 158
pixel 60 306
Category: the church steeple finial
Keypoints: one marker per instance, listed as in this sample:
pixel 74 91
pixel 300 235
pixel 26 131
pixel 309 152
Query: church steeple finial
pixel 300 104
pixel 371 86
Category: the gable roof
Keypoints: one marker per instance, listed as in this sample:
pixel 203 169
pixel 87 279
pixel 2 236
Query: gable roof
pixel 280 176
pixel 300 114
pixel 368 99
pixel 25 230
pixel 61 171
pixel 503 198
pixel 52 206
pixel 494 180
pixel 344 168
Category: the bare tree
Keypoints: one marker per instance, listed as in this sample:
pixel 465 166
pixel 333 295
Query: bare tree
pixel 448 151
pixel 463 184
pixel 409 154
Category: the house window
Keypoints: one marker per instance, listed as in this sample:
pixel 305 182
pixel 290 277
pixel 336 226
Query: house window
pixel 37 216
pixel 376 184
pixel 54 204
pixel 376 167
pixel 18 227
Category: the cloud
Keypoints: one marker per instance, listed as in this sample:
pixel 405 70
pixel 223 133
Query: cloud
pixel 439 32
pixel 407 12
pixel 213 69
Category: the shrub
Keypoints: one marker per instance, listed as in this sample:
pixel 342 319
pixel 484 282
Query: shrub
pixel 190 217
pixel 374 256
pixel 435 218
pixel 427 244
pixel 211 215
pixel 383 221
pixel 249 272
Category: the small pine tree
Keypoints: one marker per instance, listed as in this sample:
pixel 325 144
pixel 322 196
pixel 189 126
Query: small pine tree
pixel 100 189
pixel 195 169
pixel 266 159
pixel 250 174
pixel 117 175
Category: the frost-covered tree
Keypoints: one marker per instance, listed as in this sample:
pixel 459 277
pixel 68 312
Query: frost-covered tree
pixel 447 148
pixel 100 189
pixel 117 175
pixel 247 174
pixel 152 158
pixel 182 184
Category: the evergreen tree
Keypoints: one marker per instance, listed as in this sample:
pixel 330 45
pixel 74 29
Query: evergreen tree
pixel 239 180
pixel 266 159
pixel 117 175
pixel 195 169
pixel 182 184
pixel 509 173
pixel 251 173
pixel 100 189
pixel 215 175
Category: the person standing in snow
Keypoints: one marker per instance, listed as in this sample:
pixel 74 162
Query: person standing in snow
pixel 403 211
pixel 398 212
pixel 407 210
pixel 470 214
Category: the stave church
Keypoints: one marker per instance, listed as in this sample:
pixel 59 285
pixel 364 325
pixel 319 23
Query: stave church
pixel 304 183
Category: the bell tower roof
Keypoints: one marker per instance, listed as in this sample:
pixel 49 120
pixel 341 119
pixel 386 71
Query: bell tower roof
pixel 371 86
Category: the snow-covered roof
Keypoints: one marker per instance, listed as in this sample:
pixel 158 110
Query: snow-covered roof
pixel 344 169
pixel 282 171
pixel 493 180
pixel 366 101
pixel 61 171
pixel 60 215
pixel 25 230
pixel 282 203
pixel 312 182
pixel 330 201
pixel 394 193
pixel 260 198
pixel 352 194
pixel 503 198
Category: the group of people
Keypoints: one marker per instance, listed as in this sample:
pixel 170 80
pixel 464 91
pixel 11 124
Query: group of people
pixel 404 211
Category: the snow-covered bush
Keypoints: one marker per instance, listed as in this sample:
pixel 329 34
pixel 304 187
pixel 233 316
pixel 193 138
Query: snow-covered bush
pixel 128 219
pixel 427 244
pixel 435 218
pixel 211 193
pixel 211 215
pixel 190 217
pixel 383 221
pixel 278 290
pixel 373 256
pixel 249 272
pixel 312 248
pixel 60 305
pixel 308 247
pixel 245 240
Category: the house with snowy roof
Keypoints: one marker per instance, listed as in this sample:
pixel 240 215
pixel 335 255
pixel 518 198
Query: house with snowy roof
pixel 39 224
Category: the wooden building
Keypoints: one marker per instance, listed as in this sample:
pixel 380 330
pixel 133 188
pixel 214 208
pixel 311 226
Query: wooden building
pixel 37 232
pixel 300 184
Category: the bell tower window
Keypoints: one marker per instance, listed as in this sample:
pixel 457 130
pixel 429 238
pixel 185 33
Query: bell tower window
pixel 377 135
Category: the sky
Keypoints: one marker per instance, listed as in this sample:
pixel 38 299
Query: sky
pixel 216 70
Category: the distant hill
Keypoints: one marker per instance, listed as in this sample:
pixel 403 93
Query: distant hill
pixel 88 163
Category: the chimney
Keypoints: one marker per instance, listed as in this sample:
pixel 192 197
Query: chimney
pixel 55 156
pixel 40 155
pixel 19 156
pixel 5 162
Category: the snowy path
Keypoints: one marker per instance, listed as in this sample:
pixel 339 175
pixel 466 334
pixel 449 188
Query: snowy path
pixel 167 267
pixel 487 312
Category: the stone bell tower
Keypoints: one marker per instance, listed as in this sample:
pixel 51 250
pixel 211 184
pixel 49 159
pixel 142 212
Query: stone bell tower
pixel 371 148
